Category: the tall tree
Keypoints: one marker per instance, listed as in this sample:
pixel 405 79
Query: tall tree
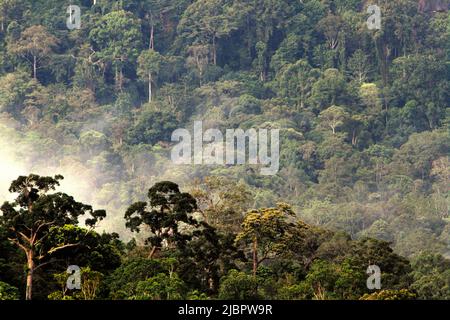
pixel 333 117
pixel 206 21
pixel 359 66
pixel 5 6
pixel 296 80
pixel 199 58
pixel 149 65
pixel 117 40
pixel 35 44
pixel 35 213
pixel 222 202
pixel 167 208
pixel 265 229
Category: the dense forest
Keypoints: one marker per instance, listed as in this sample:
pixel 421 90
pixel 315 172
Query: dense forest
pixel 86 178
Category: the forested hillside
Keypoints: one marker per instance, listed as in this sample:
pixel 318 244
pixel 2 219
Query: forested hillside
pixel 364 143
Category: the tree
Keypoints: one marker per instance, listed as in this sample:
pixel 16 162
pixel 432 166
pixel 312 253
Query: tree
pixel 160 287
pixel 8 292
pixel 206 21
pixel 222 202
pixel 261 60
pixel 212 254
pixel 331 26
pixel 88 70
pixel 330 89
pixel 304 243
pixel 424 79
pixel 90 284
pixel 199 58
pixel 15 88
pixel 415 157
pixel 7 9
pixel 149 65
pixel 333 118
pixel 167 208
pixel 11 263
pixel 296 81
pixel 152 127
pixel 93 142
pixel 35 44
pixel 100 252
pixel 116 39
pixel 359 66
pixel 328 280
pixel 395 35
pixel 395 269
pixel 31 217
pixel 238 286
pixel 431 273
pixel 264 229
pixel 123 282
pixel 370 96
pixel 403 294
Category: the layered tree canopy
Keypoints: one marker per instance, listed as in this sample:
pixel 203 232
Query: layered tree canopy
pixel 363 129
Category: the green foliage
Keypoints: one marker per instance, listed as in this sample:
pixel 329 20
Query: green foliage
pixel 31 219
pixel 90 283
pixel 8 292
pixel 123 281
pixel 153 127
pixel 35 44
pixel 160 287
pixel 265 230
pixel 168 208
pixel 331 281
pixel 117 38
pixel 238 286
pixel 403 294
pixel 363 146
pixel 431 273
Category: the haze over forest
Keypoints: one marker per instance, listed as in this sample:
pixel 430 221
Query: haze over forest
pixel 363 117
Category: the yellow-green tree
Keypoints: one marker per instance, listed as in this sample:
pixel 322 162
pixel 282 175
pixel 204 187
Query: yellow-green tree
pixel 264 229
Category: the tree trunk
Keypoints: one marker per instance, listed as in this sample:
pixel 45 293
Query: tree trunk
pixel 30 265
pixel 255 255
pixel 34 67
pixel 121 79
pixel 354 138
pixel 214 51
pixel 152 252
pixel 152 37
pixel 149 87
pixel 116 78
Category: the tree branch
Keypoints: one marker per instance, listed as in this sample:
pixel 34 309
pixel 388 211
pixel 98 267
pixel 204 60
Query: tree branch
pixel 16 241
pixel 62 247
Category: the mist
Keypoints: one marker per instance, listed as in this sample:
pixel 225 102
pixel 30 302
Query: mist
pixel 111 188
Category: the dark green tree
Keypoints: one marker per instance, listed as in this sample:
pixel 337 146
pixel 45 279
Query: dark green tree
pixel 162 215
pixel 30 219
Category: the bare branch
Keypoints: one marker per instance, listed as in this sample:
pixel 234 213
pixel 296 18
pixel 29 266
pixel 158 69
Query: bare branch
pixel 17 242
pixel 62 247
